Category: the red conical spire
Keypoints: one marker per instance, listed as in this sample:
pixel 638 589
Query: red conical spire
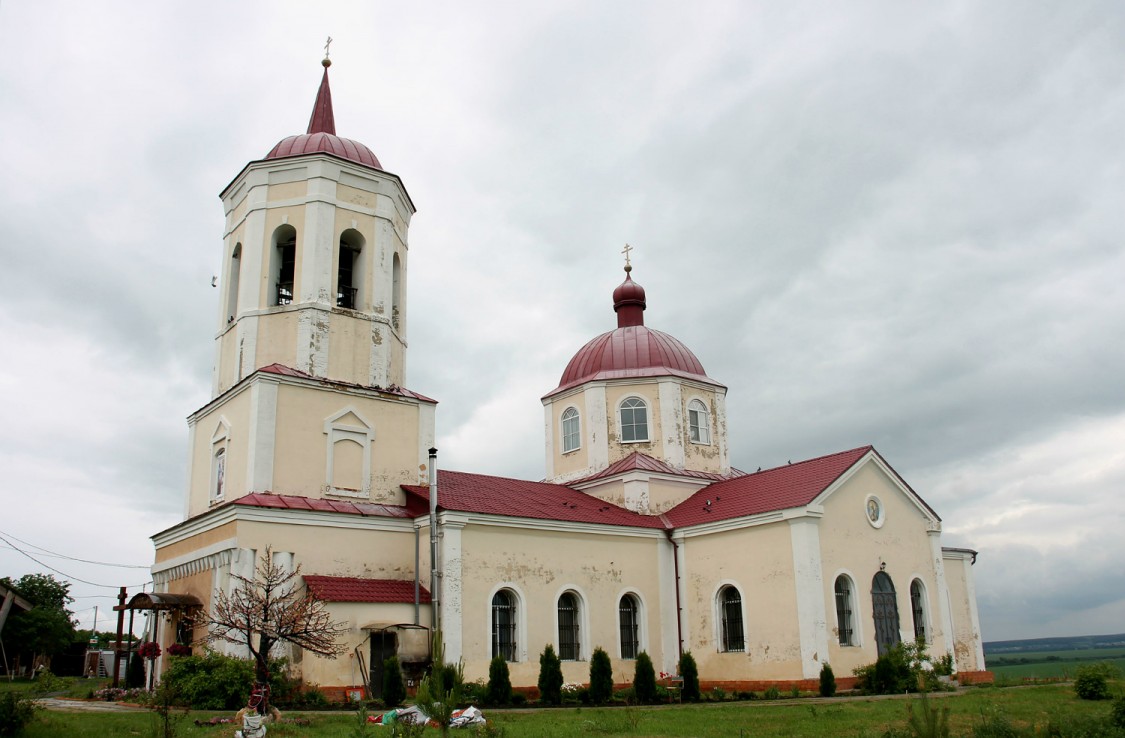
pixel 322 120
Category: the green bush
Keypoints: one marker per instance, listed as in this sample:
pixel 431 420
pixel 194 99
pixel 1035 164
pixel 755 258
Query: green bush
pixel 898 671
pixel 499 682
pixel 212 681
pixel 1117 716
pixel 773 693
pixel 601 677
pixel 1090 681
pixel 644 679
pixel 15 713
pixel 690 674
pixel 550 677
pixel 827 681
pixel 394 689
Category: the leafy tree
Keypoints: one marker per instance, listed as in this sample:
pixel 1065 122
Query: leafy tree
pixel 827 681
pixel 644 679
pixel 1090 681
pixel 48 628
pixel 690 674
pixel 550 677
pixel 394 690
pixel 269 609
pixel 499 682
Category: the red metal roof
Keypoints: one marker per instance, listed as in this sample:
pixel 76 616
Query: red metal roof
pixel 394 389
pixel 360 589
pixel 637 461
pixel 461 492
pixel 632 350
pixel 295 502
pixel 792 485
pixel 321 136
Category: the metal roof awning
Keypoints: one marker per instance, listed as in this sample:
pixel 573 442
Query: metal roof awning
pixel 162 601
pixel 377 626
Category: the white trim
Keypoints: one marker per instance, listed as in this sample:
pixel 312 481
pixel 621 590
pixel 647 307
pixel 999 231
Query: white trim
pixel 163 566
pixel 648 419
pixel 873 458
pixel 642 621
pixel 451 604
pixel 927 626
pixel 707 420
pixel 499 521
pixel 337 432
pixel 549 437
pixel 521 619
pixel 585 648
pixel 562 430
pixel 943 595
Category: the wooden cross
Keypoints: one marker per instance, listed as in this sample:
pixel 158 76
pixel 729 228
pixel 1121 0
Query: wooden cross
pixel 626 251
pixel 326 45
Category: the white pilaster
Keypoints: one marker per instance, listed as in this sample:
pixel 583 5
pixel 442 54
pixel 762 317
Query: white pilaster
pixel 683 616
pixel 380 353
pixel 672 422
pixel 426 439
pixel 254 276
pixel 549 437
pixel 262 433
pixel 597 427
pixel 809 582
pixel 721 431
pixel 945 612
pixel 312 341
pixel 667 615
pixel 451 605
pixel 317 250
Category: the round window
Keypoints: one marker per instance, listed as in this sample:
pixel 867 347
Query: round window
pixel 875 513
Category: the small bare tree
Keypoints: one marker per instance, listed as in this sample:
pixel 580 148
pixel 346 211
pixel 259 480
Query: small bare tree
pixel 270 609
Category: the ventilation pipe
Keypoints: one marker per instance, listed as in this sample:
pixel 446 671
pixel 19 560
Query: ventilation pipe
pixel 435 575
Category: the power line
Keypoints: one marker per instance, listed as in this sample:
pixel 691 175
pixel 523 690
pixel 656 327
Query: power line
pixel 64 556
pixel 61 573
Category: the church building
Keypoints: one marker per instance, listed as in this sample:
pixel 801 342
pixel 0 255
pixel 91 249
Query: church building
pixel 641 537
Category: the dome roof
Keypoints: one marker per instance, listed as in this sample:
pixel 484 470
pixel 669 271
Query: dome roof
pixel 325 143
pixel 632 350
pixel 321 136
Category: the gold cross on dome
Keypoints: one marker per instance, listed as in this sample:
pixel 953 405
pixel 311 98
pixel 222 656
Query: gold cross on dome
pixel 626 251
pixel 326 45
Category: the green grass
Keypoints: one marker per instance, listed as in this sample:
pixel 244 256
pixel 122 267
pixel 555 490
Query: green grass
pixel 1050 664
pixel 862 718
pixel 76 687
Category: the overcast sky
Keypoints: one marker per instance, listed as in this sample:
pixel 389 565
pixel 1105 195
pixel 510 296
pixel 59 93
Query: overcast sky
pixel 888 223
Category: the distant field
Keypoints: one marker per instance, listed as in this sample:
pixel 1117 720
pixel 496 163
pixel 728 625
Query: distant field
pixel 1048 664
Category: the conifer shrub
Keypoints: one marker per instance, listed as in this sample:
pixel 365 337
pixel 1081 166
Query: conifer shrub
pixel 601 677
pixel 135 672
pixel 690 674
pixel 499 682
pixel 827 681
pixel 550 677
pixel 394 689
pixel 644 679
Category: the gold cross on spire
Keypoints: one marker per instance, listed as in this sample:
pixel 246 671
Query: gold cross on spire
pixel 626 251
pixel 326 45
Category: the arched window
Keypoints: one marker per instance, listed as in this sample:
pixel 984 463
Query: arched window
pixel 219 474
pixel 634 420
pixel 699 422
pixel 845 622
pixel 349 271
pixel 918 609
pixel 884 609
pixel 570 430
pixel 570 648
pixel 628 613
pixel 232 282
pixel 283 264
pixel 396 293
pixel 732 636
pixel 504 625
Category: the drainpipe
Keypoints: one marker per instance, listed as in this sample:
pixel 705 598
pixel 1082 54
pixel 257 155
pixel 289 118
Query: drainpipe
pixel 676 586
pixel 435 597
pixel 417 556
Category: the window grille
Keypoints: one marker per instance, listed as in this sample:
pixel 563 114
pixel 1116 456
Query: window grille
pixel 504 626
pixel 732 634
pixel 569 646
pixel 844 610
pixel 630 630
pixel 918 610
